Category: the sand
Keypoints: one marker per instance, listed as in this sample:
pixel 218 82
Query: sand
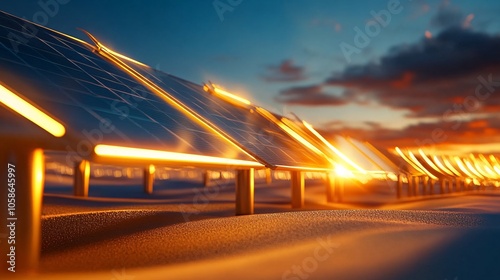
pixel 183 231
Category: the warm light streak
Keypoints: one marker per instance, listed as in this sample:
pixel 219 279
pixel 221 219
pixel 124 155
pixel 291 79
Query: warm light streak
pixel 402 155
pixel 303 168
pixel 440 164
pixel 478 166
pixel 126 57
pixel 147 154
pixel 472 169
pixel 494 159
pixel 428 161
pixel 30 112
pixel 230 95
pixel 462 167
pixel 166 96
pixel 100 47
pixel 450 166
pixel 270 117
pixel 496 165
pixel 491 173
pixel 299 138
pixel 415 160
pixel 341 171
pixel 488 166
pixel 497 169
pixel 263 112
pixel 331 147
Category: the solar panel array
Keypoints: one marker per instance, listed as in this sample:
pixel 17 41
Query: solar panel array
pixel 66 79
pixel 253 132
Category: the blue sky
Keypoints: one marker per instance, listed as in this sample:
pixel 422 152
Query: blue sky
pixel 264 49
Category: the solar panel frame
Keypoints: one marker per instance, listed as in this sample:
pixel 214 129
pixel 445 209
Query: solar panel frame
pixel 264 135
pixel 67 79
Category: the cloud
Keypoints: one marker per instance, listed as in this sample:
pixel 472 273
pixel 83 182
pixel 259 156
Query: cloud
pixel 424 134
pixel 447 16
pixel 431 76
pixel 286 71
pixel 309 96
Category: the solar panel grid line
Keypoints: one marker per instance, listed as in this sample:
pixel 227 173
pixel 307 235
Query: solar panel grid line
pixel 173 99
pixel 153 85
pixel 104 86
pixel 191 86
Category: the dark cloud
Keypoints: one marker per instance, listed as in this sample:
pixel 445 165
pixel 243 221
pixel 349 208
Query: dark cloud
pixel 431 76
pixel 455 52
pixel 286 71
pixel 309 96
pixel 447 16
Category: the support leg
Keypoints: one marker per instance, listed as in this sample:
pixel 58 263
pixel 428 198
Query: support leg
pixel 206 178
pixel 416 186
pixel 410 185
pixel 297 180
pixel 149 178
pixel 24 219
pixel 81 178
pixel 245 192
pixel 442 184
pixel 269 178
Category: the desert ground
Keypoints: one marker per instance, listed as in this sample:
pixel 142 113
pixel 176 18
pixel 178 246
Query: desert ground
pixel 187 231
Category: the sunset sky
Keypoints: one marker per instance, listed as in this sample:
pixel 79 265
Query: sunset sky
pixel 421 73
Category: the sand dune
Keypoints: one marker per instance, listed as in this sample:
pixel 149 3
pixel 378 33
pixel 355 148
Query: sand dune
pixel 118 233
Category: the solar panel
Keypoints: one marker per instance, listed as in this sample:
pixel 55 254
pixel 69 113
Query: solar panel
pixel 354 153
pixel 259 136
pixel 95 100
pixel 383 163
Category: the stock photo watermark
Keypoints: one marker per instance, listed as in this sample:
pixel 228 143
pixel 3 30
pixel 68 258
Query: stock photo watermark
pixel 121 275
pixel 223 6
pixel 372 28
pixel 303 270
pixel 485 87
pixel 11 217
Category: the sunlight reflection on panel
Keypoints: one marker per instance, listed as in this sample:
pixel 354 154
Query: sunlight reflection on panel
pixel 428 161
pixel 127 152
pixel 462 167
pixel 335 150
pixel 415 160
pixel 472 169
pixel 30 112
pixel 226 95
pixel 440 164
pixel 450 166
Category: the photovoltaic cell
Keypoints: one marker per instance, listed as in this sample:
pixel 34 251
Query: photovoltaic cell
pixel 68 80
pixel 256 134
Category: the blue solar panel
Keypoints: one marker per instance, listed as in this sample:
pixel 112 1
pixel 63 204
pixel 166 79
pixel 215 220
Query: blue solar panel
pixel 256 134
pixel 68 80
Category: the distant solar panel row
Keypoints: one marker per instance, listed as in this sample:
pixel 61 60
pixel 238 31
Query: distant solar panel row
pixel 70 81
